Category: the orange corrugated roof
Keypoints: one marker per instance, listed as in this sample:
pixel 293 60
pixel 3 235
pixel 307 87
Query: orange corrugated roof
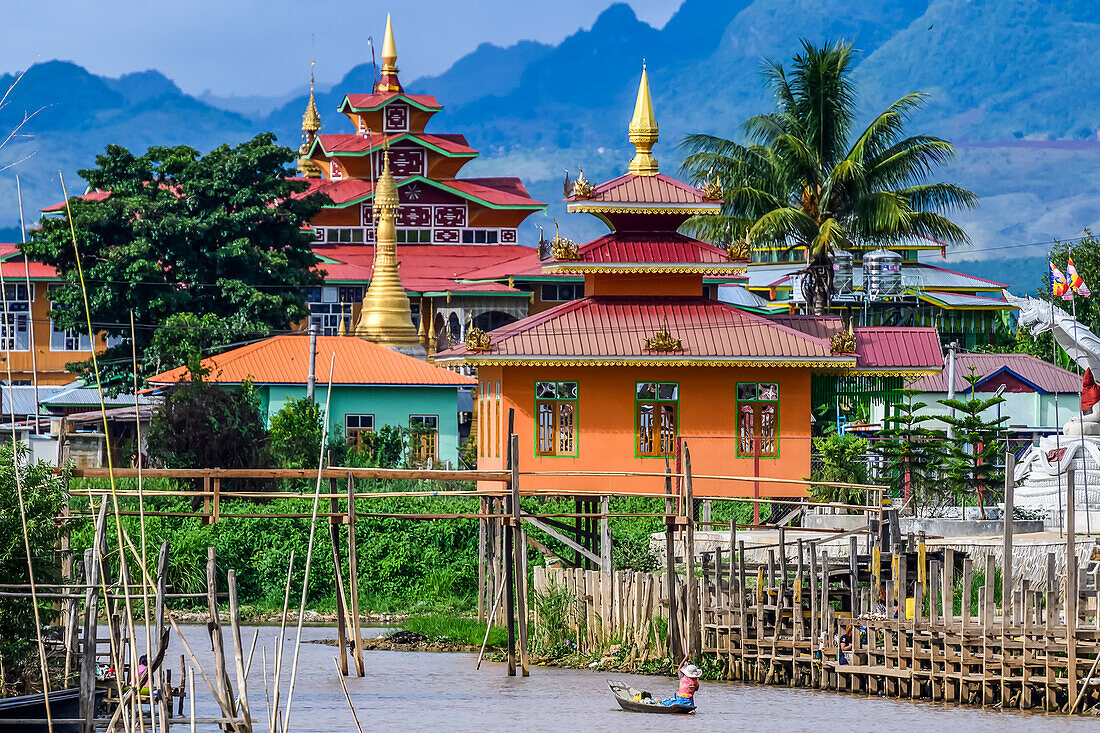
pixel 285 360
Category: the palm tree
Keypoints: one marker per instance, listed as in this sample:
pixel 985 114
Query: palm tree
pixel 802 182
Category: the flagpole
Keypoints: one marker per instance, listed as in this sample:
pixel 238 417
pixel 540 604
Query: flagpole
pixel 1057 420
pixel 1081 412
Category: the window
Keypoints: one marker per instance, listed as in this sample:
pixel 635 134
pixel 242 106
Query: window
pixel 357 428
pixel 74 340
pixel 344 235
pixel 15 325
pixel 758 419
pixel 657 407
pixel 414 236
pixel 424 440
pixel 479 236
pixel 556 418
pixel 562 291
pixel 328 306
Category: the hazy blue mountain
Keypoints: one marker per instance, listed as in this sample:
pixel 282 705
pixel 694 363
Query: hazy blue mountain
pixel 1011 81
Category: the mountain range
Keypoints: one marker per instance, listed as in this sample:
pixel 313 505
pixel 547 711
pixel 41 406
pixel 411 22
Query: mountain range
pixel 1011 82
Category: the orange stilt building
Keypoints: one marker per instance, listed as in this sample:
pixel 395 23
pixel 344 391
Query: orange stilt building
pixel 615 381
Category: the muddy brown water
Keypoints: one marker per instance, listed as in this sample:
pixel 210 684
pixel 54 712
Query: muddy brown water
pixel 413 691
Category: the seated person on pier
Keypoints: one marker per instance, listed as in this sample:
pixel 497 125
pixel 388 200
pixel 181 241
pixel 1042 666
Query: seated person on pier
pixel 689 683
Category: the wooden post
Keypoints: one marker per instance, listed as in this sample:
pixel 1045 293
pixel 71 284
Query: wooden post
pixel 482 538
pixel 694 635
pixel 605 535
pixel 215 628
pixel 853 576
pixel 156 681
pixel 1071 585
pixel 670 567
pixel 338 577
pixel 1006 572
pixel 815 675
pixel 87 659
pixel 520 549
pixel 509 564
pixel 238 651
pixel 353 581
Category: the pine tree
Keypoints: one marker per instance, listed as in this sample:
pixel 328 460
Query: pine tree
pixel 913 453
pixel 973 453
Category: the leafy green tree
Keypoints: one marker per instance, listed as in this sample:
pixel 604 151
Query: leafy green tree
pixel 973 465
pixel 204 425
pixel 182 233
pixel 912 451
pixel 42 501
pixel 809 179
pixel 295 435
pixel 842 460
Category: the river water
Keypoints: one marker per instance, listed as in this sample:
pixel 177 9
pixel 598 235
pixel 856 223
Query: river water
pixel 413 691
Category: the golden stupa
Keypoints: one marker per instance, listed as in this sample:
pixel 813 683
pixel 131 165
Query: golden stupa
pixel 386 318
pixel 643 131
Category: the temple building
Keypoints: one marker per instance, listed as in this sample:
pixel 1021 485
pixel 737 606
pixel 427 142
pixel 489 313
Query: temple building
pixel 447 227
pixel 615 381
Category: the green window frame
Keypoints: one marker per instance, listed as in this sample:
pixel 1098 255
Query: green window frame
pixel 656 418
pixel 757 405
pixel 556 407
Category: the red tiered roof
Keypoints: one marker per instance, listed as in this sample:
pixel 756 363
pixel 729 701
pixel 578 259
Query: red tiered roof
pixel 606 329
pixel 650 250
pixel 631 188
pixel 344 143
pixel 377 100
pixel 503 193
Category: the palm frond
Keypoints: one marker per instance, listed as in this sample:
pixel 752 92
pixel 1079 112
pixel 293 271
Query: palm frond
pixel 908 161
pixel 935 226
pixel 782 225
pixel 886 128
pixel 719 230
pixel 830 236
pixel 938 197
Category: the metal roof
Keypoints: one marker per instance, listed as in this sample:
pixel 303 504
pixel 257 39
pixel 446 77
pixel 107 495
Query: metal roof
pixel 634 189
pixel 285 360
pixel 77 395
pixel 1047 378
pixel 891 347
pixel 606 326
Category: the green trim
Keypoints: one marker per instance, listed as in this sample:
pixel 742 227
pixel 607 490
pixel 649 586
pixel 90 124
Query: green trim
pixel 656 416
pixel 576 420
pixel 737 421
pixel 399 96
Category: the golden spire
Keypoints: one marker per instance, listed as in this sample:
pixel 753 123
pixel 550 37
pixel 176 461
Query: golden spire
pixel 311 123
pixel 387 79
pixel 386 318
pixel 643 130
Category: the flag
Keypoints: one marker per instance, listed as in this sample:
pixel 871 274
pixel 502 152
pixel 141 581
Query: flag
pixel 1075 280
pixel 1058 283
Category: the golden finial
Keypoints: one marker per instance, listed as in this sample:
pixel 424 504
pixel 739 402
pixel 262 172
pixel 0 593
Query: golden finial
pixel 311 123
pixel 643 130
pixel 582 189
pixel 389 49
pixel 843 341
pixel 563 248
pixel 478 340
pixel 712 189
pixel 739 249
pixel 663 340
pixel 386 316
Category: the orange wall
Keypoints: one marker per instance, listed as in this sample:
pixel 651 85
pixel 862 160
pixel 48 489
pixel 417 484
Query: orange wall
pixel 605 420
pixel 51 364
pixel 642 284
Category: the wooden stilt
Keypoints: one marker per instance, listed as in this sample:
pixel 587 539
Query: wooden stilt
pixel 693 619
pixel 353 582
pixel 670 567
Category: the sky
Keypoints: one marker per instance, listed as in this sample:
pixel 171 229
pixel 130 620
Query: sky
pixel 263 47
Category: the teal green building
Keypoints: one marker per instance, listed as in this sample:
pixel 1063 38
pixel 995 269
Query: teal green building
pixel 372 386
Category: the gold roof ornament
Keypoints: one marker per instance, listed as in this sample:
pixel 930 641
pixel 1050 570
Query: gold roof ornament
pixel 643 130
pixel 843 341
pixel 311 124
pixel 582 189
pixel 563 248
pixel 386 315
pixel 663 340
pixel 739 249
pixel 712 189
pixel 478 340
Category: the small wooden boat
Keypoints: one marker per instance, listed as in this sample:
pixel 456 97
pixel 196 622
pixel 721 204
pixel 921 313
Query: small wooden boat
pixel 639 701
pixel 64 705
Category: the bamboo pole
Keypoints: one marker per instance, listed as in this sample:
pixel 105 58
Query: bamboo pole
pixel 693 619
pixel 347 695
pixel 353 580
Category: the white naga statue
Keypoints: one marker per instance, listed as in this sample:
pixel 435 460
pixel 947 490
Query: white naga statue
pixel 1040 474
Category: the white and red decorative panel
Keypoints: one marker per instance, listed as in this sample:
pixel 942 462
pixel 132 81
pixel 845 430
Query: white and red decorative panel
pixel 406 162
pixel 335 172
pixel 410 215
pixel 508 236
pixel 450 216
pixel 397 118
pixel 446 236
pixel 366 213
